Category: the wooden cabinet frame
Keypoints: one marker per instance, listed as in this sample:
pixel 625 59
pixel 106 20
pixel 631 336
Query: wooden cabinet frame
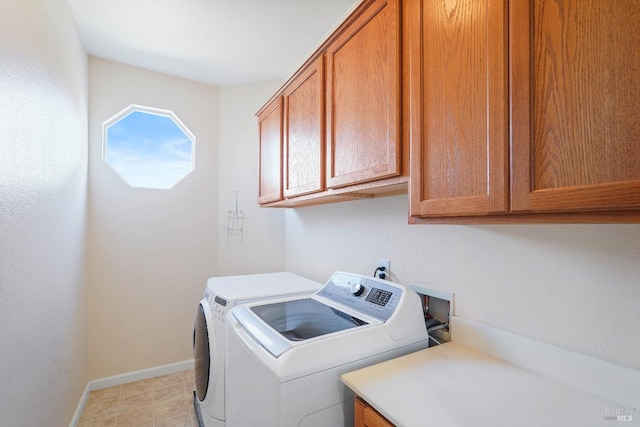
pixel 374 23
pixel 453 195
pixel 270 151
pixel 573 132
pixel 304 132
pixel 364 99
pixel 529 86
pixel 561 189
pixel 366 416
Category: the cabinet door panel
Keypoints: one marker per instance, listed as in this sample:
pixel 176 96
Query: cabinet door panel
pixel 373 419
pixel 366 416
pixel 575 102
pixel 304 132
pixel 270 161
pixel 363 110
pixel 456 56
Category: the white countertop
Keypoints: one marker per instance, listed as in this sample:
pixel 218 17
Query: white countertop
pixel 455 385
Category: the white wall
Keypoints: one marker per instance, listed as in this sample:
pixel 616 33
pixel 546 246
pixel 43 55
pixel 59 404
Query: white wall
pixel 151 251
pixel 576 286
pixel 262 246
pixel 43 161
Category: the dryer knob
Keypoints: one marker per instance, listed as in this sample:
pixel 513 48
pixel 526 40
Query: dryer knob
pixel 357 289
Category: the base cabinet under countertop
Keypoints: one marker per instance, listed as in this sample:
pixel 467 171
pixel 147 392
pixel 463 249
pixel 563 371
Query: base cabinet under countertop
pixel 366 416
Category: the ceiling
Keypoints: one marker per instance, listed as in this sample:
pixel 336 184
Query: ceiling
pixel 219 42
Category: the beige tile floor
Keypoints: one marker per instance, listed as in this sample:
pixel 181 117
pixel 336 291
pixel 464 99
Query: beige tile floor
pixel 165 401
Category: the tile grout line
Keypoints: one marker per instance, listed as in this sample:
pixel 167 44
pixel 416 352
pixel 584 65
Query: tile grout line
pixel 119 411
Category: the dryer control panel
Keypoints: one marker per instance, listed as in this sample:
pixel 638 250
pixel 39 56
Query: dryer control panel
pixel 374 297
pixel 217 304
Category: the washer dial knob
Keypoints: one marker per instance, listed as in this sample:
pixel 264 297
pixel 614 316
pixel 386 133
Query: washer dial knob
pixel 357 289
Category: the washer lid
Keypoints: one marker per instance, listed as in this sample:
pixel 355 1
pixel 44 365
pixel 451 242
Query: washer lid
pixel 284 322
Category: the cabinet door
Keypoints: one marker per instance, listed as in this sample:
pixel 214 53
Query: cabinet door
pixel 363 98
pixel 304 132
pixel 270 158
pixel 366 416
pixel 575 97
pixel 457 96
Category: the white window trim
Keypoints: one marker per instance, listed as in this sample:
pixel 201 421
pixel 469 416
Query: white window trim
pixel 148 110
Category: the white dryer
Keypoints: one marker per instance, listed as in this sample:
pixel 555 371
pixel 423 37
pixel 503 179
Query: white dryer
pixel 285 357
pixel 209 334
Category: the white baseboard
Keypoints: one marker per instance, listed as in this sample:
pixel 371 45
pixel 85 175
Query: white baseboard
pixel 80 407
pixel 129 377
pixel 143 374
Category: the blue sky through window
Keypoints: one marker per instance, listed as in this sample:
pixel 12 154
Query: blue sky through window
pixel 149 150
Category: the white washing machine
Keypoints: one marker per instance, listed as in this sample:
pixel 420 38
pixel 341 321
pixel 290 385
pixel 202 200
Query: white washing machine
pixel 285 357
pixel 221 295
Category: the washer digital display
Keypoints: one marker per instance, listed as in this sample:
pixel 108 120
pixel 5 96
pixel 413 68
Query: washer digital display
pixel 379 297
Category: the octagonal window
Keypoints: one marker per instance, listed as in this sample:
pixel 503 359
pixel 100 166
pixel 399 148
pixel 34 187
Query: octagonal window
pixel 148 147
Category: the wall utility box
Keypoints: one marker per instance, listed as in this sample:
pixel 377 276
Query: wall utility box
pixel 438 308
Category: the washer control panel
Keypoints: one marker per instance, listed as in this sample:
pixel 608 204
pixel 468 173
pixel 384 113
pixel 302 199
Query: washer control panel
pixel 374 297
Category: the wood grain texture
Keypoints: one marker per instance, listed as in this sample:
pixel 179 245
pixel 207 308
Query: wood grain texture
pixel 367 190
pixel 304 132
pixel 270 157
pixel 458 106
pixel 358 415
pixel 363 98
pixel 366 416
pixel 605 217
pixel 575 102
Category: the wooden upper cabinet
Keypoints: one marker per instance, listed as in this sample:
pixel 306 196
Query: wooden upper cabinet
pixel 457 121
pixel 363 98
pixel 270 158
pixel 575 98
pixel 304 132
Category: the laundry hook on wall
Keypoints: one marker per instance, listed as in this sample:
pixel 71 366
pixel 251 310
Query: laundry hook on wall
pixel 235 221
